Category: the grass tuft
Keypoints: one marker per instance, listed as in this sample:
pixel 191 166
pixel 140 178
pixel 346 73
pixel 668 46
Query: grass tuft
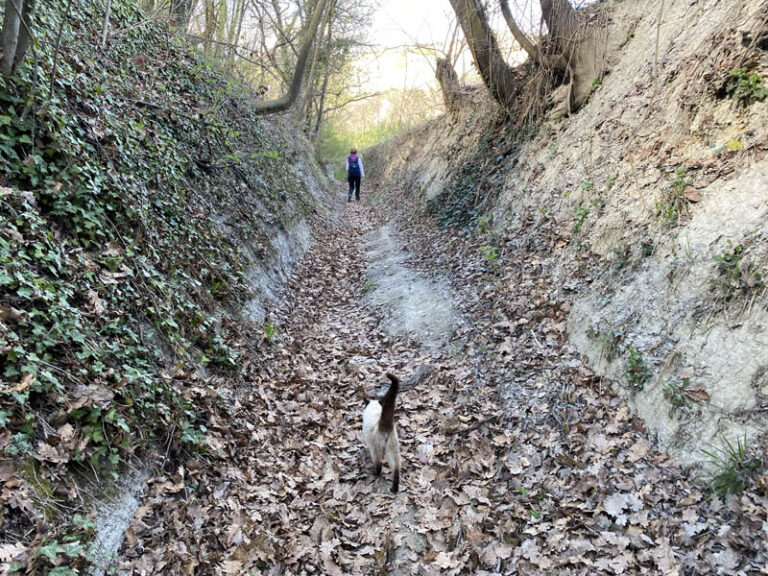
pixel 735 465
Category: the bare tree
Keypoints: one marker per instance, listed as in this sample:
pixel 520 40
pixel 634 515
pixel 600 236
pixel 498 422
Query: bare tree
pixel 310 32
pixel 306 99
pixel 572 48
pixel 16 34
pixel 518 34
pixel 497 75
pixel 181 11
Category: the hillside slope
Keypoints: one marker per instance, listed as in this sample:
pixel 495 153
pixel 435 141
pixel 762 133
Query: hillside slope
pixel 146 216
pixel 647 211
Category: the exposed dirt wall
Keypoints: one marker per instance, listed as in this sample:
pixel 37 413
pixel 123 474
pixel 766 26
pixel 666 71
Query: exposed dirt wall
pixel 648 207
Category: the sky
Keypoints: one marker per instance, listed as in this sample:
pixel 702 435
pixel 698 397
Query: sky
pixel 399 23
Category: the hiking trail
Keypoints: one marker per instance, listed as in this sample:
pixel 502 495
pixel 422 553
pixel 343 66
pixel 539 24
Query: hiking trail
pixel 516 459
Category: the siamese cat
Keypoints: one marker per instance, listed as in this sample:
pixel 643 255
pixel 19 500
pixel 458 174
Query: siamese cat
pixel 380 434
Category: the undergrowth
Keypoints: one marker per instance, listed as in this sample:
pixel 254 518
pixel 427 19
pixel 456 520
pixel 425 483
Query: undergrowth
pixel 127 195
pixel 581 216
pixel 746 86
pixel 477 182
pixel 609 337
pixel 736 276
pixel 682 396
pixel 735 467
pixel 636 370
pixel 672 204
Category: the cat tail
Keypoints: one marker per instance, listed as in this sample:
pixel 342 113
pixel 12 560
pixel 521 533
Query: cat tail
pixel 387 422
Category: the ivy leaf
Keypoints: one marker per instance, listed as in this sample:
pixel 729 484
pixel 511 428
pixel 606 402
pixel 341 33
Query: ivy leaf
pixel 50 551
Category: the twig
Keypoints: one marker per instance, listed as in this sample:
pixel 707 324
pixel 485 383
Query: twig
pixel 62 372
pixel 105 31
pixel 144 103
pixel 56 50
pixel 351 100
pixel 476 425
pixel 168 448
pixel 229 45
pixel 533 334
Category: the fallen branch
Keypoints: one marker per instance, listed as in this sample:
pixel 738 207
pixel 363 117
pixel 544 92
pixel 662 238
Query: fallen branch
pixel 476 425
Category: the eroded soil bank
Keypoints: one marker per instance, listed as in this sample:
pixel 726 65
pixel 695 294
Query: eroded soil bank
pixel 516 458
pixel 648 208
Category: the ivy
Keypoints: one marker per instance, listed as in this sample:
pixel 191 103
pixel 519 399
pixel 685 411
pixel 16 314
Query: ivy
pixel 127 196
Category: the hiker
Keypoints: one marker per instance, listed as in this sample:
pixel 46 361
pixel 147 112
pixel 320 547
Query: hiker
pixel 355 174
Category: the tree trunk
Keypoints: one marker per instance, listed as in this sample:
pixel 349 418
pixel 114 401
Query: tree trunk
pixel 25 33
pixel 325 38
pixel 582 47
pixel 105 29
pixel 235 40
pixel 286 101
pixel 210 20
pixel 555 61
pixel 326 78
pixel 182 11
pixel 562 23
pixel 519 35
pixel 495 72
pixel 9 36
pixel 449 85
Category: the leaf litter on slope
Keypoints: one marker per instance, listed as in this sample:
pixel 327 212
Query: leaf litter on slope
pixel 516 458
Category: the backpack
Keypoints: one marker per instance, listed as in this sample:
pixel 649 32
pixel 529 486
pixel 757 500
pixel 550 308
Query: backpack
pixel 354 166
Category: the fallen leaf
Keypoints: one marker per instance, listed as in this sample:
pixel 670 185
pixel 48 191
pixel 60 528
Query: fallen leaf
pixel 26 380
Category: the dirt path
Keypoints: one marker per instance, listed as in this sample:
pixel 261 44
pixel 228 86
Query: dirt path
pixel 516 460
pixel 411 304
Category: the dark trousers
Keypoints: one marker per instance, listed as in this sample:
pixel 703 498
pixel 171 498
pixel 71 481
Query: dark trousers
pixel 354 184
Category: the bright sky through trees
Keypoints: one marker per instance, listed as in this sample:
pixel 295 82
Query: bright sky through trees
pixel 399 24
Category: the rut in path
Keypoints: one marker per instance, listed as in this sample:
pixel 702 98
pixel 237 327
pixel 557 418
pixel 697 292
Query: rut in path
pixel 515 459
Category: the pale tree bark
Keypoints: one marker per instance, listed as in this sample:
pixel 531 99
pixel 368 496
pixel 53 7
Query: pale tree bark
pixel 9 36
pixel 25 33
pixel 572 48
pixel 16 34
pixel 210 19
pixel 310 32
pixel 105 30
pixel 582 47
pixel 555 61
pixel 562 23
pixel 449 84
pixel 497 75
pixel 236 28
pixel 326 79
pixel 306 95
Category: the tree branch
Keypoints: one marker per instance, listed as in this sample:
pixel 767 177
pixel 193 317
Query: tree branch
pixel 519 35
pixel 285 102
pixel 355 99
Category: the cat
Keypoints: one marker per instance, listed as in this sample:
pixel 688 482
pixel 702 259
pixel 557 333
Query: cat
pixel 380 434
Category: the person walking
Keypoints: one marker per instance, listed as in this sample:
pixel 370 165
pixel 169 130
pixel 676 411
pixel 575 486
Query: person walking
pixel 355 173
